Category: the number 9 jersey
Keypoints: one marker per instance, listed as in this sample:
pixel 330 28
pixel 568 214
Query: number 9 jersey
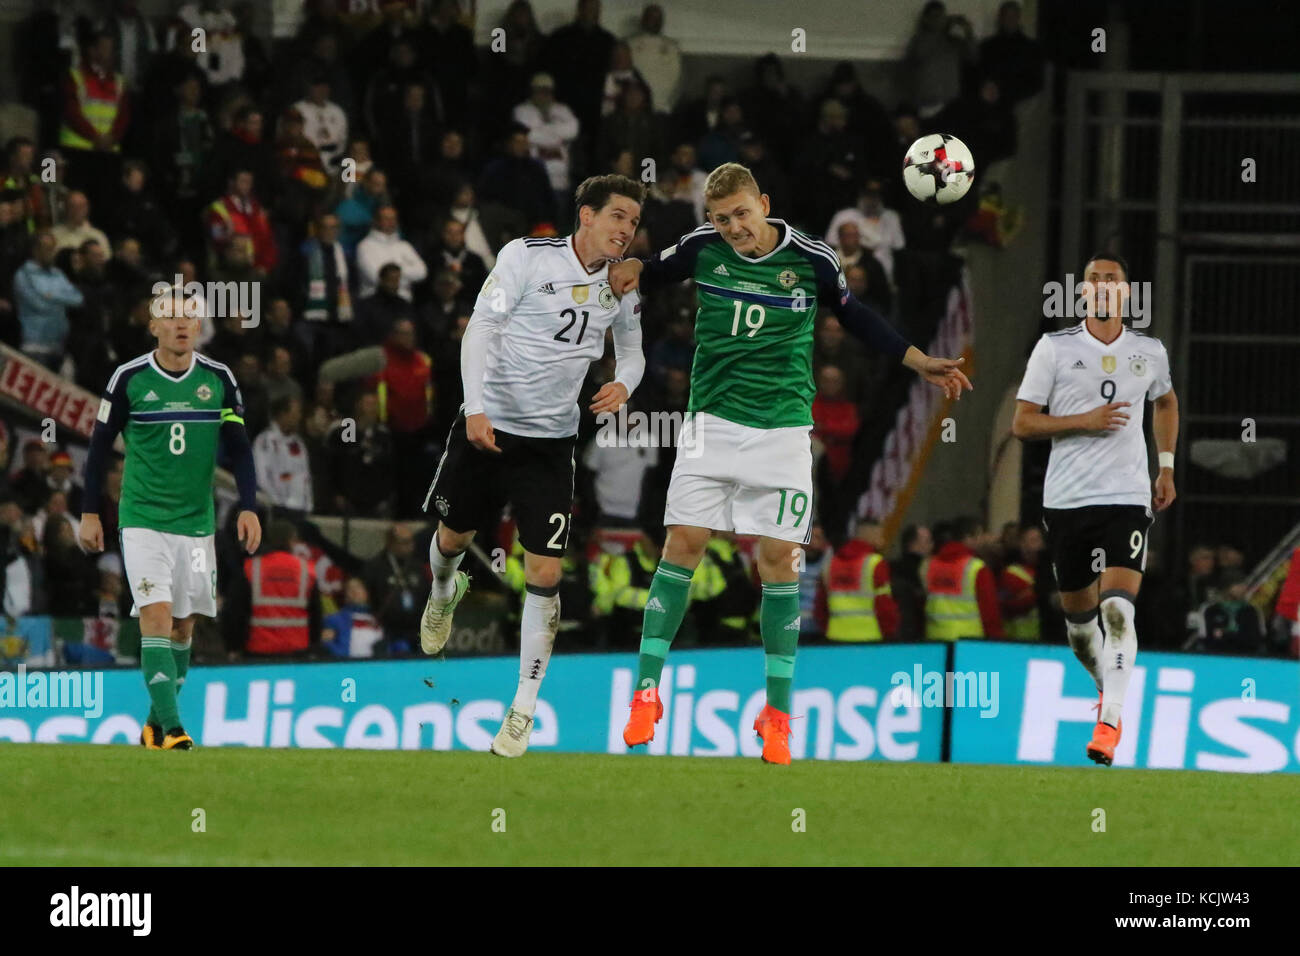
pixel 170 424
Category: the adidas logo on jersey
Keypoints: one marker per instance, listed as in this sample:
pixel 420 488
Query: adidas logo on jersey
pixel 721 270
pixel 655 605
pixel 548 289
pixel 1079 364
pixel 152 396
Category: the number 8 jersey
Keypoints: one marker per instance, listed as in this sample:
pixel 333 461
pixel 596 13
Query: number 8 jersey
pixel 551 314
pixel 1072 372
pixel 170 424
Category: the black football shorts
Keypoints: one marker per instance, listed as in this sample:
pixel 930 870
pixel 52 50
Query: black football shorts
pixel 1084 541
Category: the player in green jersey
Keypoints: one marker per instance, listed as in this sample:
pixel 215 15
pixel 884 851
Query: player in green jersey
pixel 759 283
pixel 172 407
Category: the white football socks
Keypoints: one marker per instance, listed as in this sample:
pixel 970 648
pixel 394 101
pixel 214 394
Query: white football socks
pixel 1086 641
pixel 444 570
pixel 537 627
pixel 1117 656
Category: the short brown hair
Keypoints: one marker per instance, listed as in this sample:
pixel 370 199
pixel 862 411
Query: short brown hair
pixel 594 191
pixel 728 179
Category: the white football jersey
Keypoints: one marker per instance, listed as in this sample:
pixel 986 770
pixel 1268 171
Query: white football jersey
pixel 550 314
pixel 1072 372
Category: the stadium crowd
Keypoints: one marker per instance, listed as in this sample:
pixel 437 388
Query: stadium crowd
pixel 361 178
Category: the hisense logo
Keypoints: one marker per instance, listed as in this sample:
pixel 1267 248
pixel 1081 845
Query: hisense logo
pixel 75 909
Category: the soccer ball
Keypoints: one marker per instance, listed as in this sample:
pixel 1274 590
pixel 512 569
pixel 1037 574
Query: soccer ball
pixel 938 168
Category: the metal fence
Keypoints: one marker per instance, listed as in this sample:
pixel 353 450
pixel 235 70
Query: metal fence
pixel 1156 166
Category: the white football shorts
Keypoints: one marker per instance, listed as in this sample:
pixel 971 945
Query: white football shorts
pixel 731 477
pixel 161 566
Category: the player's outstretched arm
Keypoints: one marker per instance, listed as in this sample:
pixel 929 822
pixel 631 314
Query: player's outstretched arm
pixel 944 373
pixel 1164 426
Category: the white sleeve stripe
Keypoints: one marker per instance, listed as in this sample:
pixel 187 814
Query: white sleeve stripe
pixel 112 382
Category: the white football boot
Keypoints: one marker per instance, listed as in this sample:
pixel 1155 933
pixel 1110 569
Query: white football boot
pixel 512 739
pixel 435 623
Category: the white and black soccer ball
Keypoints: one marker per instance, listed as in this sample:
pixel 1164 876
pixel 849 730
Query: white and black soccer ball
pixel 938 168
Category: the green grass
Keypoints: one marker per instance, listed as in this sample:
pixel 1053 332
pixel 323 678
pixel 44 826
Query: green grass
pixel 97 805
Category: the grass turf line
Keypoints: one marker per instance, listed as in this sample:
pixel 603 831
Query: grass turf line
pixel 116 805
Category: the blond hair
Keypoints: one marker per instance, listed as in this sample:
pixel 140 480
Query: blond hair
pixel 729 179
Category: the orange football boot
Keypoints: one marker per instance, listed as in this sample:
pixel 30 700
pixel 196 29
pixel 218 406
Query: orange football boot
pixel 774 727
pixel 1105 739
pixel 646 711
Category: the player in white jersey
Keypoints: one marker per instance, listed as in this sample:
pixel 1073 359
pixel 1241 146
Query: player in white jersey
pixel 538 324
pixel 1094 378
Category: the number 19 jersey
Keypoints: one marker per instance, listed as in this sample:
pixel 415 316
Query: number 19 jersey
pixel 170 424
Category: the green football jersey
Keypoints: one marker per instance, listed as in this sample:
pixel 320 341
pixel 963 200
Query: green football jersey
pixel 170 424
pixel 754 324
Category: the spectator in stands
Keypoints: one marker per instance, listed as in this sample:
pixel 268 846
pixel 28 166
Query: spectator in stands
pixel 449 50
pixel 182 150
pixel 353 630
pixel 54 194
pixel 129 337
pixel 405 390
pixel 96 115
pixel 257 409
pixel 552 128
pixel 880 230
pixel 238 214
pixel 451 298
pixel 20 175
pixel 829 167
pixel 304 186
pixel 620 584
pixel 359 461
pixel 658 59
pixel 695 118
pixel 755 155
pixel 835 424
pixel 398 586
pixel 448 172
pixel 812 587
pixel 868 284
pixel 362 163
pixel 869 124
pixel 322 295
pixel 280 454
pixel 417 137
pixel 1288 604
pixel 76 227
pixel 384 245
pixel 381 310
pixel 70 575
pixel 42 295
pixel 519 181
pixel 1199 582
pixel 244 148
pixel 632 127
pixel 452 254
pixel 983 121
pixel 280 380
pixel 833 347
pixel 1011 59
pixel 89 323
pixel 940 49
pixel 223 59
pixel 464 209
pixel 776 109
pixel 324 122
pixel 860 605
pixel 847 243
pixel 618 471
pixel 383 106
pixel 683 181
pixel 136 212
pixel 30 483
pixel 961 595
pixel 577 55
pixel 357 212
pixel 1230 624
pixel 721 144
pixel 621 73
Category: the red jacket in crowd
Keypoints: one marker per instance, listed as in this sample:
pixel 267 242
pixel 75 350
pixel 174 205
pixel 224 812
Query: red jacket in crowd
pixel 986 588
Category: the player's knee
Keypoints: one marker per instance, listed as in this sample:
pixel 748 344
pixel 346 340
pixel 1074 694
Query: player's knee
pixel 1117 610
pixel 684 546
pixel 542 575
pixel 452 542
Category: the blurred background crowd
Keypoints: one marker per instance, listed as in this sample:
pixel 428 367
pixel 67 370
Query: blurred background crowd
pixel 364 175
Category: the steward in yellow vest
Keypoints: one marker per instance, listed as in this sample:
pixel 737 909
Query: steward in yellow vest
pixel 961 599
pixel 859 599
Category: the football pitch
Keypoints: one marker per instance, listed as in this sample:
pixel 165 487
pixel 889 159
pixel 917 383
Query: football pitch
pixel 120 806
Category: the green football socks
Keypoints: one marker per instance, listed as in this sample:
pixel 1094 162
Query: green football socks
pixel 158 664
pixel 664 609
pixel 779 625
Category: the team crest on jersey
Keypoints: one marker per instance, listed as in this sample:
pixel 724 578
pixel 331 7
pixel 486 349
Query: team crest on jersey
pixel 204 393
pixel 606 297
pixel 441 504
pixel 580 293
pixel 1137 365
pixel 1108 364
pixel 488 284
pixel 787 278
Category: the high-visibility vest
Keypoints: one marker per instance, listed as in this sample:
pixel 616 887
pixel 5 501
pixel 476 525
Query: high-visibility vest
pixel 952 608
pixel 281 584
pixel 851 598
pixel 100 111
pixel 1025 627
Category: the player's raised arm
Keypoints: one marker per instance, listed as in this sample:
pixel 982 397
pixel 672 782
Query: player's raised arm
pixel 111 419
pixel 674 264
pixel 500 294
pixel 875 331
pixel 629 358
